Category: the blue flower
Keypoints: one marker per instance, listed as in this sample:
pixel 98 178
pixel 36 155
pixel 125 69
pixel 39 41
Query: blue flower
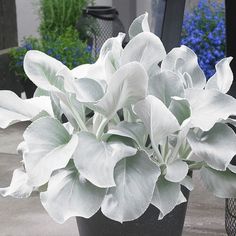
pixel 49 51
pixel 204 33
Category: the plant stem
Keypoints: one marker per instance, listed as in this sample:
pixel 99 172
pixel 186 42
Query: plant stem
pixel 125 114
pixel 77 117
pixel 116 118
pixel 101 128
pixel 159 156
pixel 175 150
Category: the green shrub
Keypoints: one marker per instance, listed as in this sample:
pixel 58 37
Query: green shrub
pixel 67 47
pixel 60 37
pixel 17 56
pixel 58 15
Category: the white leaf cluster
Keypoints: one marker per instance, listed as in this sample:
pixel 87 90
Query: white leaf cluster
pixel 139 120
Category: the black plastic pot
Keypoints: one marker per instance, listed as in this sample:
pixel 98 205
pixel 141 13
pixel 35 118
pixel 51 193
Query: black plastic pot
pixel 147 225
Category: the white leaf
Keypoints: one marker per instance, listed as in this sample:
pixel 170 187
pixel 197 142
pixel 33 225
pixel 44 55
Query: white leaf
pixel 183 60
pixel 166 85
pixel 42 70
pixel 180 108
pixel 97 161
pixel 139 25
pixel 187 182
pixel 97 71
pixel 209 106
pixel 19 187
pixel 145 48
pixel 154 70
pixel 223 78
pixel 127 86
pixel 14 109
pixel 135 131
pixel 165 196
pixel 176 171
pixel 158 120
pixel 49 147
pixel 85 89
pixel 133 193
pixel 69 195
pixel 216 146
pixel 232 168
pixel 97 120
pixel 221 183
pixel 230 121
pixel 181 198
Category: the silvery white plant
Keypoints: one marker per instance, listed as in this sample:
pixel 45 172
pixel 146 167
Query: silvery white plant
pixel 173 122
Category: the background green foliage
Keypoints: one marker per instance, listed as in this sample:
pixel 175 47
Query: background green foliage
pixel 57 15
pixel 60 36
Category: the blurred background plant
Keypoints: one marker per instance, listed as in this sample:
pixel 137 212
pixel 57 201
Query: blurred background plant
pixel 60 36
pixel 204 33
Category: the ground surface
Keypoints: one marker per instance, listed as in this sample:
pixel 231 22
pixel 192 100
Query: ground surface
pixel 26 217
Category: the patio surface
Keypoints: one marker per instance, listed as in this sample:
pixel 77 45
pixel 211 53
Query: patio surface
pixel 26 217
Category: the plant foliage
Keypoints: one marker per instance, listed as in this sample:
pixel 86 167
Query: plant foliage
pixel 122 163
pixel 67 47
pixel 58 15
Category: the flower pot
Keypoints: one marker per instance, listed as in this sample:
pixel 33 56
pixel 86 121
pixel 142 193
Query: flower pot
pixel 147 225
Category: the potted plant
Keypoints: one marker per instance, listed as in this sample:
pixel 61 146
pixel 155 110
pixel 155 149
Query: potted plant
pixel 173 122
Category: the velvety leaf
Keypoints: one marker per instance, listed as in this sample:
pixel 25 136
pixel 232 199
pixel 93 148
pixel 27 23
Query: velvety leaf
pixel 165 196
pixel 158 120
pixel 187 182
pixel 97 120
pixel 19 187
pixel 49 147
pixel 223 78
pixel 232 168
pixel 221 183
pixel 97 71
pixel 127 86
pixel 113 45
pixel 166 85
pixel 209 106
pixel 181 198
pixel 135 131
pixel 69 195
pixel 85 89
pixel 183 60
pixel 97 161
pixel 145 48
pixel 133 193
pixel 139 25
pixel 216 146
pixel 40 92
pixel 42 70
pixel 176 171
pixel 230 121
pixel 54 101
pixel 154 70
pixel 180 108
pixel 14 109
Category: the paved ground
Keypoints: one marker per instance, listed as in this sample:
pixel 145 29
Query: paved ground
pixel 26 217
